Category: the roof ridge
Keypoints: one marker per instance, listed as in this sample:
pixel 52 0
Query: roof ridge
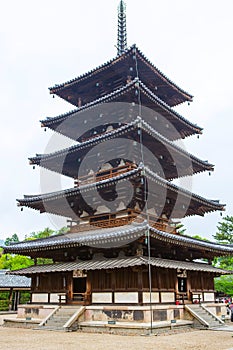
pixel 132 49
pixel 117 92
pixel 91 71
pixel 162 75
pixel 95 102
pixel 120 178
pixel 119 130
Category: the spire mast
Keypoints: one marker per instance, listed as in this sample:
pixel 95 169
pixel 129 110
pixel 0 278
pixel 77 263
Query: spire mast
pixel 122 33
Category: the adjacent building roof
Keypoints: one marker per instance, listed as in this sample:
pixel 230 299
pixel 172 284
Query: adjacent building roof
pixel 13 281
pixel 121 262
pixel 69 124
pixel 161 194
pixel 174 161
pixel 115 237
pixel 113 74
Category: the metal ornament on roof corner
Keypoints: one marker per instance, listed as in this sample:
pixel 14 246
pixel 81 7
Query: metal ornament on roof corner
pixel 120 147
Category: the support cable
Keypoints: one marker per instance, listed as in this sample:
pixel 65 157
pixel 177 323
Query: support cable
pixel 145 197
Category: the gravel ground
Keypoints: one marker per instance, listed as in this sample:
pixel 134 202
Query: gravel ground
pixel 16 338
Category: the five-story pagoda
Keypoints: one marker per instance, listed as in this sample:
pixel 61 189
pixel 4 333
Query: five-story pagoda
pixel 122 247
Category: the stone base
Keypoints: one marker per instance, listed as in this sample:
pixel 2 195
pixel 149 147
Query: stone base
pixel 30 311
pixel 129 328
pixel 117 318
pixel 133 313
pixel 20 323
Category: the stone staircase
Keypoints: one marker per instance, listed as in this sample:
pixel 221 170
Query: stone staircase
pixel 204 316
pixel 62 318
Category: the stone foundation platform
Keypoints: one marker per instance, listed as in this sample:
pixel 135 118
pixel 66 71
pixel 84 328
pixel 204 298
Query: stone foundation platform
pixel 118 319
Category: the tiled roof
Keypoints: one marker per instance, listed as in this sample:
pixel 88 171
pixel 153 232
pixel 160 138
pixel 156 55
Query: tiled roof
pixel 37 202
pixel 188 127
pixel 198 165
pixel 13 281
pixel 178 95
pixel 121 262
pixel 117 235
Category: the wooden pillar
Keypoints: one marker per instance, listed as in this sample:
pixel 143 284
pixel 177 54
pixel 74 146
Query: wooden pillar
pixel 140 286
pixel 159 284
pixel 202 281
pixel 69 282
pixel 176 286
pixel 10 299
pixel 113 284
pixel 88 289
pixel 189 286
pixel 15 300
pixel 18 299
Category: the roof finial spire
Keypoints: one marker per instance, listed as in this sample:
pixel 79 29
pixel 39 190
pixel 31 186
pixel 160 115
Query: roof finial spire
pixel 122 34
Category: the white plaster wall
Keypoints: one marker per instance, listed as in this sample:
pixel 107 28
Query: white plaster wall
pixel 102 298
pixel 124 297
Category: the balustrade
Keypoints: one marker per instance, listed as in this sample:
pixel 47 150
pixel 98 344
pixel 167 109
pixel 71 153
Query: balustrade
pixel 122 218
pixel 104 174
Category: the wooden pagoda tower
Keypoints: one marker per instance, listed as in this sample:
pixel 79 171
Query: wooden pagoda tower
pixel 122 247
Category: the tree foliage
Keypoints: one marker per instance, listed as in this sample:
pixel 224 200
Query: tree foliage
pixel 15 262
pixel 47 232
pixel 13 239
pixel 180 228
pixel 224 284
pixel 224 235
pixel 200 238
pixel 225 230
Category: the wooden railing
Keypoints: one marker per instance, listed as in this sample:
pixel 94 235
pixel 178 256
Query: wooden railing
pixel 104 174
pixel 120 219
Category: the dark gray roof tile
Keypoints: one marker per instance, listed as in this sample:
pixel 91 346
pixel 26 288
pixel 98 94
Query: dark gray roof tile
pixel 121 262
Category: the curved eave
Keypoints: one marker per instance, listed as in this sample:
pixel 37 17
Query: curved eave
pixel 116 263
pixel 199 164
pixel 71 240
pixel 197 205
pixel 123 235
pixel 190 127
pixel 186 95
pixel 181 96
pixel 185 241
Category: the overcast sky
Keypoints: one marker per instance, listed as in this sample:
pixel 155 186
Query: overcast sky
pixel 43 43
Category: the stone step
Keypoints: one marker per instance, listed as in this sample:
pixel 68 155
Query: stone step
pixel 51 328
pixel 61 315
pixel 54 325
pixel 58 314
pixel 59 319
pixel 55 321
pixel 210 319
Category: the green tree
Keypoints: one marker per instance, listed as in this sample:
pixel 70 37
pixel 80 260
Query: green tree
pixel 13 239
pixel 200 238
pixel 47 232
pixel 14 262
pixel 180 228
pixel 224 284
pixel 225 230
pixel 224 235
